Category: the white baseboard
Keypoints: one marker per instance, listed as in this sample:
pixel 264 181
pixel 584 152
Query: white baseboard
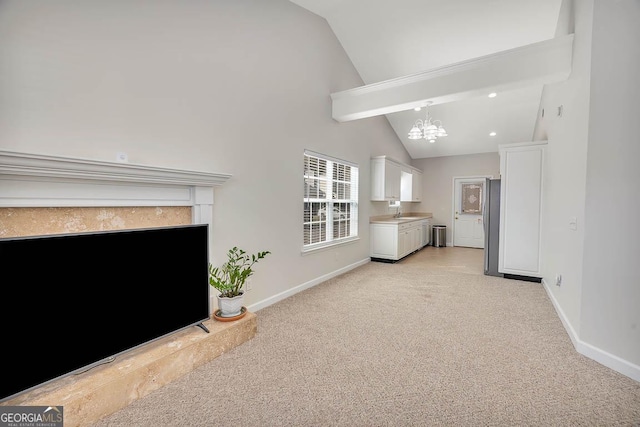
pixel 282 295
pixel 609 360
pixel 563 318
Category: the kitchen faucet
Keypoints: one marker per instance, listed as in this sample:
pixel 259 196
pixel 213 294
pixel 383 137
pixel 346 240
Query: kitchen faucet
pixel 398 213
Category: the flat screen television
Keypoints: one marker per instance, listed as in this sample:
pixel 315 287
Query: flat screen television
pixel 70 302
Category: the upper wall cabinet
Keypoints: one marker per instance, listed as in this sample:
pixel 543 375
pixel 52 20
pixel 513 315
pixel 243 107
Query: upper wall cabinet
pixel 385 179
pixel 521 170
pixel 410 185
pixel 394 181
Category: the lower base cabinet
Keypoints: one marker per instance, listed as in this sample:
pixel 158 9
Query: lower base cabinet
pixel 384 241
pixel 426 232
pixel 395 241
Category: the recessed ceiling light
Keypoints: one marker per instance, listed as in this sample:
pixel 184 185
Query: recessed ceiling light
pixel 493 95
pixel 417 109
pixel 492 134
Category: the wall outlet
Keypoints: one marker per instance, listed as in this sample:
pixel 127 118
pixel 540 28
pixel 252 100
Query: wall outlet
pixel 248 285
pixel 122 157
pixel 558 279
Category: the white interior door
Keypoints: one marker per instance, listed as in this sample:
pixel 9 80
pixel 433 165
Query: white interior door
pixel 468 227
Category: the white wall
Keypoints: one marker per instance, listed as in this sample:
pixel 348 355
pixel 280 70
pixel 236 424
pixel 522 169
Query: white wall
pixel 592 174
pixel 437 184
pixel 565 171
pixel 611 278
pixel 239 87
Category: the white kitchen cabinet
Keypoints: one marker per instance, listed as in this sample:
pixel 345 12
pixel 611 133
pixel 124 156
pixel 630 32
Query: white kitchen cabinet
pixel 385 179
pixel 410 233
pixel 384 241
pixel 394 241
pixel 416 186
pixel 411 184
pixel 521 170
pixel 426 232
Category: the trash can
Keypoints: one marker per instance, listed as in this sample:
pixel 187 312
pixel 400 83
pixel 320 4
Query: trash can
pixel 439 235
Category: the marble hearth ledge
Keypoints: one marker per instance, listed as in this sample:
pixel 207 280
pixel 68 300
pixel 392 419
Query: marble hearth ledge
pixel 103 390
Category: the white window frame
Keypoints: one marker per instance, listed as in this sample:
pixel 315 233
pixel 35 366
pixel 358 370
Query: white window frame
pixel 329 199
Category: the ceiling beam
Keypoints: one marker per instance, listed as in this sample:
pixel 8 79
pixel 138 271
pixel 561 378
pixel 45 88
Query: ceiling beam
pixel 544 62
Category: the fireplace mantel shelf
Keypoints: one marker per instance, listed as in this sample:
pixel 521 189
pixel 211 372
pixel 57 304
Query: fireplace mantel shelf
pixel 37 180
pixel 46 166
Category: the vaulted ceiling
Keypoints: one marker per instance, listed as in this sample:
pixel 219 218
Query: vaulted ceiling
pixel 393 44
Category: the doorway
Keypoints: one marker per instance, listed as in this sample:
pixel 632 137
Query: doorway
pixel 468 199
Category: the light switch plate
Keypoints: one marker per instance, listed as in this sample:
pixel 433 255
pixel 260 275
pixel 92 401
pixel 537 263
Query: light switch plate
pixel 573 223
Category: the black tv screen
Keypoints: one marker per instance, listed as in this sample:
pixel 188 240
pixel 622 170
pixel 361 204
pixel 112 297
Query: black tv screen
pixel 70 302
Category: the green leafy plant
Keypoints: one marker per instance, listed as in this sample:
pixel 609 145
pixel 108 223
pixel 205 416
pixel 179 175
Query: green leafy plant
pixel 230 277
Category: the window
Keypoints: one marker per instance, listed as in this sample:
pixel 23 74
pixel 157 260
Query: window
pixel 471 202
pixel 330 201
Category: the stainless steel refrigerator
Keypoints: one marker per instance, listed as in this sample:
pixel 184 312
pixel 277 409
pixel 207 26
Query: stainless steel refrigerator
pixel 491 221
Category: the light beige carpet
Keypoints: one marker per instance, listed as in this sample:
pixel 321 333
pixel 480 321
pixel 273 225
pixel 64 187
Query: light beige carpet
pixel 428 341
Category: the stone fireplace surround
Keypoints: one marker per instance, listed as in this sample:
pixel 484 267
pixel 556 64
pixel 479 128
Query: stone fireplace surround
pixel 36 181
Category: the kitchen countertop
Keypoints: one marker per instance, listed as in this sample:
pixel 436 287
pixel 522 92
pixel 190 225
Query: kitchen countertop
pixel 405 217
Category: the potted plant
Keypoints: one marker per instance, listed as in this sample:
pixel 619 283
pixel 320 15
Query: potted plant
pixel 229 279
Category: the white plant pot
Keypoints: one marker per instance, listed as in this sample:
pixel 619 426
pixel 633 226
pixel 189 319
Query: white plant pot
pixel 230 307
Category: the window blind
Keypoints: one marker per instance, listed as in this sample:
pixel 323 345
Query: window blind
pixel 330 201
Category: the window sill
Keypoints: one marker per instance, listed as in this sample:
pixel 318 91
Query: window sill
pixel 331 245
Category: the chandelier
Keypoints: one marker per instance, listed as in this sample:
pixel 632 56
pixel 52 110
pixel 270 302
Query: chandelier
pixel 428 128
